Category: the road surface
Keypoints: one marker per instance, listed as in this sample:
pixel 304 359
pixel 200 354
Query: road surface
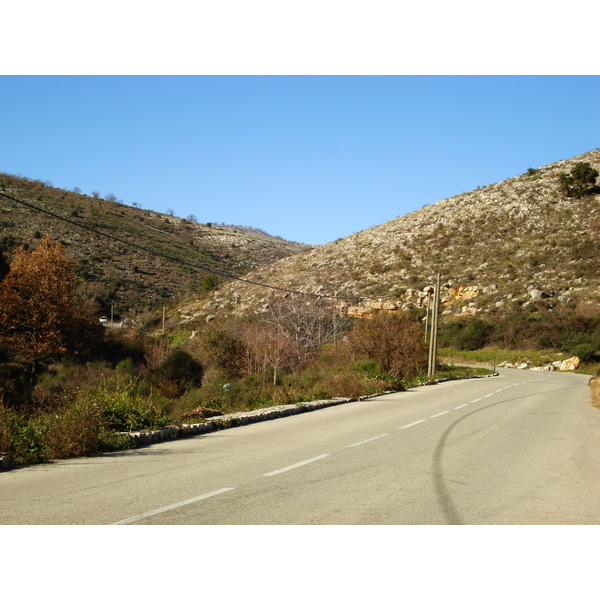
pixel 520 448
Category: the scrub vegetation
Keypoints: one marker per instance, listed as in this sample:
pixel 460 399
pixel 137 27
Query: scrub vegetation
pixel 70 386
pixel 520 260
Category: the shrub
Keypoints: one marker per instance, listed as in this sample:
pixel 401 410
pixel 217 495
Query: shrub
pixel 580 181
pixel 368 368
pixel 474 335
pixel 124 409
pixel 16 384
pixel 76 430
pixel 393 341
pixel 209 283
pixel 219 347
pixel 21 438
pixel 585 352
pixel 178 372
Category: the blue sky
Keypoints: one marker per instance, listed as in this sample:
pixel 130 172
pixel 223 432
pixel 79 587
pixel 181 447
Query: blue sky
pixel 308 158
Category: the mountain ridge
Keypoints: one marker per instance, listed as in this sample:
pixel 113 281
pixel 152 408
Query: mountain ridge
pixel 106 242
pixel 517 242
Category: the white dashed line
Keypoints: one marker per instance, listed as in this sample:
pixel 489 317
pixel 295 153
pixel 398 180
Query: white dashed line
pixel 172 506
pixel 377 437
pixel 476 400
pixel 461 406
pixel 300 464
pixel 439 414
pixel 411 424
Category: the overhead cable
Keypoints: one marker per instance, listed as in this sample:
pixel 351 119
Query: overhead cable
pixel 173 258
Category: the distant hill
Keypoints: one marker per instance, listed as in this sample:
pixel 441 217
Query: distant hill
pixel 117 273
pixel 520 242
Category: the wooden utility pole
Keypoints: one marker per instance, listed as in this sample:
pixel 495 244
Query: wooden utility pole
pixel 434 330
pixel 427 311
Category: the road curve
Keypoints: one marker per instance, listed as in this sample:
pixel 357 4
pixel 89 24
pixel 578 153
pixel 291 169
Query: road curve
pixel 521 448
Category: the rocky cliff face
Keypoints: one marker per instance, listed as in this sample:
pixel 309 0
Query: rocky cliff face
pixel 517 241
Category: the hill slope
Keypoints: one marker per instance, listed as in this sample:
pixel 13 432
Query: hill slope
pixel 115 272
pixel 512 242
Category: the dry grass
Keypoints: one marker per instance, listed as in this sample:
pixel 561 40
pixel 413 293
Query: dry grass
pixel 74 431
pixel 595 386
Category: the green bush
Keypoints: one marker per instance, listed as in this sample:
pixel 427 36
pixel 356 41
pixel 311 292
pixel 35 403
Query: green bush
pixel 465 334
pixel 368 368
pixel 21 438
pixel 209 283
pixel 585 352
pixel 124 409
pixel 579 182
pixel 475 335
pixel 178 372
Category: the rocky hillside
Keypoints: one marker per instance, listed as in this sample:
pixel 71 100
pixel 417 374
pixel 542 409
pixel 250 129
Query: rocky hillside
pixel 517 242
pixel 115 272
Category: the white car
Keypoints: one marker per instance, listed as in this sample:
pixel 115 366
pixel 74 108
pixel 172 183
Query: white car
pixel 103 320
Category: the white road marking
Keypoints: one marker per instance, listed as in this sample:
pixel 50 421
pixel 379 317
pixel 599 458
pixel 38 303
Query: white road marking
pixel 411 424
pixel 172 506
pixel 476 400
pixel 440 414
pixel 367 441
pixel 300 464
pixel 488 395
pixel 461 406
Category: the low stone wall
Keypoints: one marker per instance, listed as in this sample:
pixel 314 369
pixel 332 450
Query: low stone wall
pixel 143 438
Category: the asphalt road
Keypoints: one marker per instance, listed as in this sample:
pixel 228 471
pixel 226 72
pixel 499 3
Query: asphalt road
pixel 521 448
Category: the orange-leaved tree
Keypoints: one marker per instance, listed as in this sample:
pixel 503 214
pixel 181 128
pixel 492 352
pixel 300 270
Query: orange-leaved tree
pixel 40 315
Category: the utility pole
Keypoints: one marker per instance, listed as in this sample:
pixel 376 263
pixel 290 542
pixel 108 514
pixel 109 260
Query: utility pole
pixel 163 319
pixel 427 311
pixel 434 330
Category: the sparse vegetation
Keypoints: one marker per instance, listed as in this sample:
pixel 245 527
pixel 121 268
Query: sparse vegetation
pixel 504 240
pixel 120 274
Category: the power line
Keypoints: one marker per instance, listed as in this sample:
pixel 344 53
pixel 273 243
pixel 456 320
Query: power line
pixel 173 258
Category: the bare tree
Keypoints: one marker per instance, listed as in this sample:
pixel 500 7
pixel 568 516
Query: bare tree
pixel 264 346
pixel 305 324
